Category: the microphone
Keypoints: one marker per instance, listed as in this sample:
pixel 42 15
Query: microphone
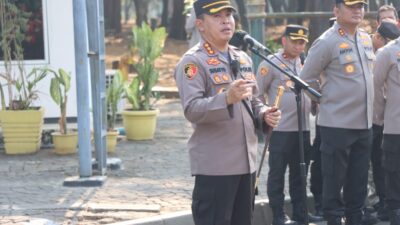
pixel 235 67
pixel 253 42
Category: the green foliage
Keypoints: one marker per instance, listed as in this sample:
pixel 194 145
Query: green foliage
pixel 59 87
pixel 146 46
pixel 20 87
pixel 115 90
pixel 273 45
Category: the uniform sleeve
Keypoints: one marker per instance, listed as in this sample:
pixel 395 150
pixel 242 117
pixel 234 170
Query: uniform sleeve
pixel 264 79
pixel 318 58
pixel 198 107
pixel 381 70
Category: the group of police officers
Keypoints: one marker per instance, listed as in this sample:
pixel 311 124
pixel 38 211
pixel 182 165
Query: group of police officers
pixel 227 101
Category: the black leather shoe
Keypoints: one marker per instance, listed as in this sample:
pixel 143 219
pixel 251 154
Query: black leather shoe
pixel 319 212
pixel 383 214
pixel 395 217
pixel 369 219
pixel 315 218
pixel 282 219
pixel 334 221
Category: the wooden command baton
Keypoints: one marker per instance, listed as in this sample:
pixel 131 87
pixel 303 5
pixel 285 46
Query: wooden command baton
pixel 277 102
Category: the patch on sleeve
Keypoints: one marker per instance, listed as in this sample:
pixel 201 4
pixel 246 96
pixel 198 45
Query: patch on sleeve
pixel 190 70
pixel 264 71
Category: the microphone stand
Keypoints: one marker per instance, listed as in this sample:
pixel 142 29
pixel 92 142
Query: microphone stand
pixel 299 85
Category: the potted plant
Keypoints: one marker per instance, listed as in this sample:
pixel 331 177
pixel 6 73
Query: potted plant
pixel 115 91
pixel 146 46
pixel 21 121
pixel 65 141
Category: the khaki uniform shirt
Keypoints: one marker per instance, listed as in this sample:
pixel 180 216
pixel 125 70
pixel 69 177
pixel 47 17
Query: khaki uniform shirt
pixel 270 78
pixel 224 141
pixel 345 66
pixel 387 87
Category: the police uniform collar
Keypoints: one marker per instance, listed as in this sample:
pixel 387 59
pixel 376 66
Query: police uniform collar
pixel 285 57
pixel 208 48
pixel 339 30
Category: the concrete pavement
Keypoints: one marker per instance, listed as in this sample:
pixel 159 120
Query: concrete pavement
pixel 154 180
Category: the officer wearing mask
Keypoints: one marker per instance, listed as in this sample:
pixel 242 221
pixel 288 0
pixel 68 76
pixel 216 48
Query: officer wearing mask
pixel 216 84
pixel 342 58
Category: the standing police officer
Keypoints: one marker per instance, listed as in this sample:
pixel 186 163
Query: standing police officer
pixel 343 58
pixel 216 83
pixel 284 143
pixel 386 104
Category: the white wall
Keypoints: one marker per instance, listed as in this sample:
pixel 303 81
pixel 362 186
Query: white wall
pixel 60 53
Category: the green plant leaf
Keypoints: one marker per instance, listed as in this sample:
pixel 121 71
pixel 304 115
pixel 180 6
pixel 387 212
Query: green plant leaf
pixel 65 79
pixel 55 91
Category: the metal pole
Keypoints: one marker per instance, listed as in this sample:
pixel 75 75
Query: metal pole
pixel 97 67
pixel 82 84
pixel 256 17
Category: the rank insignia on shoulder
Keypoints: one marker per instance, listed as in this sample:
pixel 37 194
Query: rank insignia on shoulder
pixel 341 32
pixel 264 71
pixel 190 70
pixel 213 61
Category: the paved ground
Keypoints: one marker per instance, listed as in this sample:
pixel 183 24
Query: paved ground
pixel 155 177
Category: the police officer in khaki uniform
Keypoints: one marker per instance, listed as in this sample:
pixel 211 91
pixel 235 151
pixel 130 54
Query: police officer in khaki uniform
pixel 342 57
pixel 386 32
pixel 216 84
pixel 387 110
pixel 283 147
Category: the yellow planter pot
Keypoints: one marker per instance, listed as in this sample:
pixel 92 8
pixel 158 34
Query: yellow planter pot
pixel 65 143
pixel 111 141
pixel 22 130
pixel 140 125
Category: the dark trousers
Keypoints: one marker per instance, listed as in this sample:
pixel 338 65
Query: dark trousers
pixel 378 172
pixel 283 152
pixel 315 169
pixel 345 155
pixel 223 200
pixel 391 151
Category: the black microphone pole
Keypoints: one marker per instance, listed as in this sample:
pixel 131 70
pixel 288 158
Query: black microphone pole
pixel 299 85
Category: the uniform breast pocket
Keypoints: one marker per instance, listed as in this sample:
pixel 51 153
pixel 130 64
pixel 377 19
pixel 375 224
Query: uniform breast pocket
pixel 349 63
pixel 220 82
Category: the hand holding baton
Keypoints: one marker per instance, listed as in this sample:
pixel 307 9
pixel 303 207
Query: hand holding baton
pixel 277 102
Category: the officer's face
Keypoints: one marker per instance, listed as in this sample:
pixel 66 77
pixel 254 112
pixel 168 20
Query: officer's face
pixel 378 41
pixel 217 28
pixel 388 16
pixel 349 14
pixel 293 47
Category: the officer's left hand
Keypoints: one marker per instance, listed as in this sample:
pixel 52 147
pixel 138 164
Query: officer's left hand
pixel 272 116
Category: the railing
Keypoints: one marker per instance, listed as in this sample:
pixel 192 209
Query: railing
pixel 285 15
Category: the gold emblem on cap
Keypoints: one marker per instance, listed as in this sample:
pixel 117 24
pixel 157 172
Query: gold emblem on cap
pixel 301 32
